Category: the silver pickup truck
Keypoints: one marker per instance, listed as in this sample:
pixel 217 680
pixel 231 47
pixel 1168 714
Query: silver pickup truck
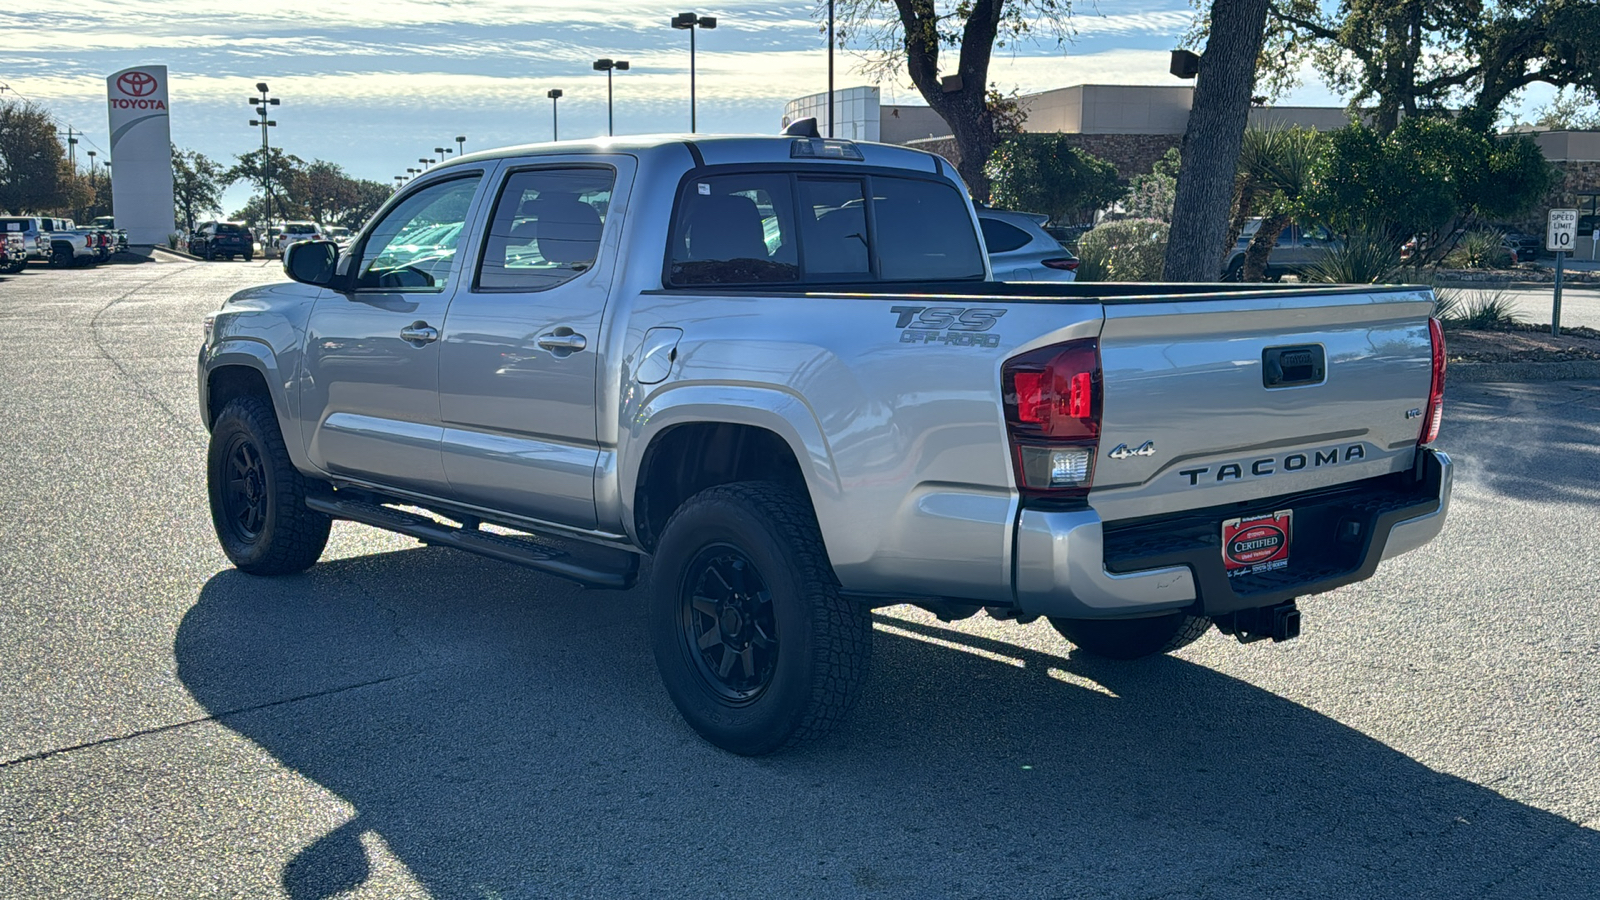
pixel 778 368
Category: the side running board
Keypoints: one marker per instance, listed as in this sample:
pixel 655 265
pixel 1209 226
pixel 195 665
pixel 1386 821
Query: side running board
pixel 587 564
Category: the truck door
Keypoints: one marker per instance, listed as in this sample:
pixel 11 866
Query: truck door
pixel 521 347
pixel 370 397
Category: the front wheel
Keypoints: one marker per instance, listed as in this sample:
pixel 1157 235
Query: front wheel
pixel 755 645
pixel 258 498
pixel 1133 638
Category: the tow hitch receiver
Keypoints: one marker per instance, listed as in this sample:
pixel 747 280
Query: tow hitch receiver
pixel 1281 623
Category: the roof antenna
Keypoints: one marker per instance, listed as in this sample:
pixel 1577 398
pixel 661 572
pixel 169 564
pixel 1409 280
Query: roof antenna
pixel 806 127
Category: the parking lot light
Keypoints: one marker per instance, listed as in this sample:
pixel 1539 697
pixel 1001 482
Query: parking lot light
pixel 689 22
pixel 608 66
pixel 555 126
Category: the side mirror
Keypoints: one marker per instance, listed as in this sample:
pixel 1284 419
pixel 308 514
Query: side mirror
pixel 311 262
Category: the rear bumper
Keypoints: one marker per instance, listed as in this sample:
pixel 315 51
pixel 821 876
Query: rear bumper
pixel 1070 564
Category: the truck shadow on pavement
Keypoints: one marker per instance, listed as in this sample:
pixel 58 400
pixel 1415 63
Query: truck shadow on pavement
pixel 505 741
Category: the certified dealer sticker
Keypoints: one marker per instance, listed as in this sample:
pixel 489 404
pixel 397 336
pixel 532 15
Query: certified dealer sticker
pixel 1256 543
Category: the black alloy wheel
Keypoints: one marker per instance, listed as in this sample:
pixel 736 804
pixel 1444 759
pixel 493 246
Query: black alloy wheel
pixel 728 627
pixel 756 646
pixel 258 498
pixel 244 495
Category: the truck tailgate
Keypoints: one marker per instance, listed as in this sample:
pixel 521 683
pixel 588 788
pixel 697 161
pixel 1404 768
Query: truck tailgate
pixel 1214 401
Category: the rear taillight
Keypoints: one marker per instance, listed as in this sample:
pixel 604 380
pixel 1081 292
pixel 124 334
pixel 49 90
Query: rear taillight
pixel 1434 414
pixel 1052 406
pixel 1065 264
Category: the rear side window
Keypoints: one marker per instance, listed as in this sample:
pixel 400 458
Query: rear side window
pixel 751 228
pixel 1000 237
pixel 545 229
pixel 230 228
pixel 735 229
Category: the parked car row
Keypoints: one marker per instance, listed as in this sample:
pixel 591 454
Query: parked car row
pixel 61 242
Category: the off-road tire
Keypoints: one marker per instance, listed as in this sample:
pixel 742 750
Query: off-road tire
pixel 279 535
pixel 1133 638
pixel 821 647
pixel 61 255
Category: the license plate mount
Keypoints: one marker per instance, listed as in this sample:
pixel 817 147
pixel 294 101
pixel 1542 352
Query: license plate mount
pixel 1255 544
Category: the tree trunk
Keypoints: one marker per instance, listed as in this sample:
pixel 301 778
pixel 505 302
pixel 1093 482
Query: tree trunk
pixel 1255 258
pixel 966 109
pixel 1210 155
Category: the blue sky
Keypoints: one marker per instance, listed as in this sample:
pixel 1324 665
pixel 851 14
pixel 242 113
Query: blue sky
pixel 375 84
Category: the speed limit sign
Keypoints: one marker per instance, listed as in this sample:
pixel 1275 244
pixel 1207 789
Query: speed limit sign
pixel 1563 231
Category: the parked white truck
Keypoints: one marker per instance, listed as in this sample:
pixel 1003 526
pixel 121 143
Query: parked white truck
pixel 779 368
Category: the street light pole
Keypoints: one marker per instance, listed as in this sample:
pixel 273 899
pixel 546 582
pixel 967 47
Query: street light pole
pixel 262 104
pixel 461 143
pixel 607 66
pixel 555 124
pixel 687 22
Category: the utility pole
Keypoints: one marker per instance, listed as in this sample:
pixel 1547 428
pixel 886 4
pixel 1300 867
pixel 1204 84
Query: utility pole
pixel 72 147
pixel 262 104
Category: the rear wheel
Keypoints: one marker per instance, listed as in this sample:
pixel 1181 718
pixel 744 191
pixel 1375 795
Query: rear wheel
pixel 61 255
pixel 756 647
pixel 258 498
pixel 1132 638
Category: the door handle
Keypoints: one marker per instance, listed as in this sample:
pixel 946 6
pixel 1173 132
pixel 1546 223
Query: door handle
pixel 419 333
pixel 562 341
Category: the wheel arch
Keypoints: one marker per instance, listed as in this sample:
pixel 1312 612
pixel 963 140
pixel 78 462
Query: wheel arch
pixel 248 368
pixel 694 438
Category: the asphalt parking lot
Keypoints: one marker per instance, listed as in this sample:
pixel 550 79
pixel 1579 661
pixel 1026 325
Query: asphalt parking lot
pixel 404 721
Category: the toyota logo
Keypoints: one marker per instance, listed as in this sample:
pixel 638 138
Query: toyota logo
pixel 137 84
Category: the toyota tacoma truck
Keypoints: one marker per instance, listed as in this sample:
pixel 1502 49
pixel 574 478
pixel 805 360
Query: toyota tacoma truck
pixel 778 368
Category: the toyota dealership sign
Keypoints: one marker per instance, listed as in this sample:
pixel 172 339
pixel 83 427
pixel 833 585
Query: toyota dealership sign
pixel 141 153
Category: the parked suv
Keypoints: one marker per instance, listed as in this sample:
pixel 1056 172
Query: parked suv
pixel 296 231
pixel 1299 248
pixel 1021 250
pixel 222 239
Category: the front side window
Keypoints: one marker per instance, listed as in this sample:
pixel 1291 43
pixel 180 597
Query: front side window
pixel 414 247
pixel 545 229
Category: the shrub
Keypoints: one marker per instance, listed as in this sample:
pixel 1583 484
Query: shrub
pixel 1481 248
pixel 1124 250
pixel 1362 259
pixel 1486 311
pixel 173 237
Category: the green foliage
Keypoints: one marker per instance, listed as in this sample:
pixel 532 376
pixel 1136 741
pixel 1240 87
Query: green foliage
pixel 1570 111
pixel 197 183
pixel 1123 250
pixel 1046 173
pixel 1150 196
pixel 1425 177
pixel 1486 310
pixel 1362 258
pixel 32 162
pixel 1404 57
pixel 1480 248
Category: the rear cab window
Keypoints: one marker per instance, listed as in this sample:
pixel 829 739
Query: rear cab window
pixel 811 226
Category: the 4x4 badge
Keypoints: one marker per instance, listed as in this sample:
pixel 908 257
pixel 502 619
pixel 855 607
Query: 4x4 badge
pixel 1148 448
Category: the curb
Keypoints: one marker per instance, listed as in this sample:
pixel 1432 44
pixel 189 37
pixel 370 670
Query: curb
pixel 1481 373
